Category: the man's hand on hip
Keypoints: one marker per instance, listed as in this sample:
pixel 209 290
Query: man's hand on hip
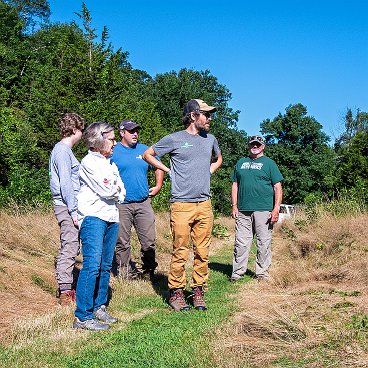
pixel 153 191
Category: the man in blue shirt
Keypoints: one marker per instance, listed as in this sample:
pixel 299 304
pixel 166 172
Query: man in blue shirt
pixel 136 209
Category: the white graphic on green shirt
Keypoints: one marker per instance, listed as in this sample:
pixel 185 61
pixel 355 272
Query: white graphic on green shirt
pixel 251 165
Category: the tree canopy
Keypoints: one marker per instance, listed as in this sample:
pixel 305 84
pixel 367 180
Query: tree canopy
pixel 47 69
pixel 300 148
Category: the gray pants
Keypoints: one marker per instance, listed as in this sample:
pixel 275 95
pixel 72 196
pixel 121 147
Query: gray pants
pixel 248 224
pixel 142 217
pixel 69 248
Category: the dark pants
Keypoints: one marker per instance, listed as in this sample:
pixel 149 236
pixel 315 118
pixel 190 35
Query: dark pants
pixel 142 217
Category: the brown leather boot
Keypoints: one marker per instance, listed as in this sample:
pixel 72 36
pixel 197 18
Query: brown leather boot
pixel 177 300
pixel 198 300
pixel 67 297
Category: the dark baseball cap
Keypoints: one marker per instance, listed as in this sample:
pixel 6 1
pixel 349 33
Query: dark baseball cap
pixel 256 138
pixel 197 105
pixel 129 125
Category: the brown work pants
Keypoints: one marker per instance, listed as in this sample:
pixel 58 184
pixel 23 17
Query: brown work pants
pixel 190 221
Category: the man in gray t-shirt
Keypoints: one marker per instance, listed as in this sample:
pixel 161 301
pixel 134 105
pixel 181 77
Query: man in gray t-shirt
pixel 194 157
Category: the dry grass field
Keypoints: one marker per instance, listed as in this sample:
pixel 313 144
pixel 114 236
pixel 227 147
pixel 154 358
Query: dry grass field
pixel 314 310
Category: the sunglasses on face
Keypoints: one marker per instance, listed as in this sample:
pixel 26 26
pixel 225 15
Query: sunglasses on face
pixel 205 113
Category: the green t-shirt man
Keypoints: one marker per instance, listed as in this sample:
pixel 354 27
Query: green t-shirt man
pixel 256 178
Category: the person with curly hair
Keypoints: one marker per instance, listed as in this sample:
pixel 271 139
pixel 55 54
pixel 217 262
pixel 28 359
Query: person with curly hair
pixel 64 185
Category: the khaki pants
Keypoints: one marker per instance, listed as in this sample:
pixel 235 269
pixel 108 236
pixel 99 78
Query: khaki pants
pixel 190 221
pixel 142 217
pixel 69 248
pixel 249 224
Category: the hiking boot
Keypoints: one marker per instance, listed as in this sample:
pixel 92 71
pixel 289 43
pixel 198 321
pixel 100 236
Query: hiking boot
pixel 198 300
pixel 177 300
pixel 90 324
pixel 103 315
pixel 263 278
pixel 66 297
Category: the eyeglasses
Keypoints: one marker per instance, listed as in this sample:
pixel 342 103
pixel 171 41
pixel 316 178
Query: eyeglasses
pixel 111 139
pixel 205 113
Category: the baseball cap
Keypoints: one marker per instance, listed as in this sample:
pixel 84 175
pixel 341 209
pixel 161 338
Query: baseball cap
pixel 197 105
pixel 256 138
pixel 128 125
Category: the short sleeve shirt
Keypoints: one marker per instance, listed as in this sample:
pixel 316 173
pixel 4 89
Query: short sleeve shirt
pixel 133 171
pixel 190 160
pixel 256 178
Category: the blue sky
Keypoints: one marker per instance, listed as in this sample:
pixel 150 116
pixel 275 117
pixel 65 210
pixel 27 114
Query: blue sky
pixel 269 54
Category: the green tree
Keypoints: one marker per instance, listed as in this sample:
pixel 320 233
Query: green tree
pixel 33 12
pixel 353 125
pixel 299 147
pixel 12 51
pixel 23 165
pixel 353 162
pixel 352 156
pixel 66 67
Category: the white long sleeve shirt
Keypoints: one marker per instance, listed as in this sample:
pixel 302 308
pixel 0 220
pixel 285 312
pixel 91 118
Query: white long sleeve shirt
pixel 100 188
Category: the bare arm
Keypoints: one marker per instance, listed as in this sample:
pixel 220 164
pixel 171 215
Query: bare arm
pixel 278 199
pixel 234 200
pixel 149 156
pixel 159 175
pixel 216 164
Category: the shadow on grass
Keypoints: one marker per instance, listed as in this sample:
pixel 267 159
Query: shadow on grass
pixel 227 269
pixel 224 268
pixel 159 284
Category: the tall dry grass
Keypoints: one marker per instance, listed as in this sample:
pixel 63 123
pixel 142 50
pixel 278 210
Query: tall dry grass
pixel 28 246
pixel 314 312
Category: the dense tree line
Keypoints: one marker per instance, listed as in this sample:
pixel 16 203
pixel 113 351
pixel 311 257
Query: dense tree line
pixel 50 68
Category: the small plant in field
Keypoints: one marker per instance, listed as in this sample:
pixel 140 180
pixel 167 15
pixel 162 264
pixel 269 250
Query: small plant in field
pixel 345 293
pixel 288 232
pixel 359 322
pixel 344 304
pixel 40 282
pixel 301 224
pixel 320 245
pixel 220 231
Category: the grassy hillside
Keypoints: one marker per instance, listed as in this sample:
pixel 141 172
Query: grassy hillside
pixel 312 314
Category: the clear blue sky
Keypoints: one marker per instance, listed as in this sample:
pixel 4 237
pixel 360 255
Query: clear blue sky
pixel 269 54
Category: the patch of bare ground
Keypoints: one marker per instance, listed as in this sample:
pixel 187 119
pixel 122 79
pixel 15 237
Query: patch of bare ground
pixel 314 311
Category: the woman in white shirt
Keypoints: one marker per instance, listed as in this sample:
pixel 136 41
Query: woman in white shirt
pixel 101 189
